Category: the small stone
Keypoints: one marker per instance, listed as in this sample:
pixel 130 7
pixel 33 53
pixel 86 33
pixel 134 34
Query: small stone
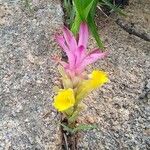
pixel 148 84
pixel 90 119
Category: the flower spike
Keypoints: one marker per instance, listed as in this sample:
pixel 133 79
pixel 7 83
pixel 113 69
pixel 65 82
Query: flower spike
pixel 78 58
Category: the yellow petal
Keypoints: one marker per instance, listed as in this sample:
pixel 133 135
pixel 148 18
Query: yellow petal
pixel 96 79
pixel 64 100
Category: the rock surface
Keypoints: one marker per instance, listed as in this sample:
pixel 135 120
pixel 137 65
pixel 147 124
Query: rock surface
pixel 121 109
pixel 27 75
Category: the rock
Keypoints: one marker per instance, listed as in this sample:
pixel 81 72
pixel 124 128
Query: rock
pixel 123 121
pixel 148 84
pixel 28 120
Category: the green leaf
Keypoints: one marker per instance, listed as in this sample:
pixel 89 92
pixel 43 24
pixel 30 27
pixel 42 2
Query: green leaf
pixel 87 10
pixel 75 113
pixel 76 24
pixel 73 117
pixel 84 127
pixel 113 7
pixel 92 25
pixel 66 128
pixel 93 29
pixel 72 16
pixel 82 4
pixel 70 11
pixel 83 7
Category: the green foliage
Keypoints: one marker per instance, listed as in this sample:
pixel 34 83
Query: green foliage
pixel 66 128
pixel 83 8
pixel 70 12
pixel 84 127
pixel 81 127
pixel 85 11
pixel 92 25
pixel 114 8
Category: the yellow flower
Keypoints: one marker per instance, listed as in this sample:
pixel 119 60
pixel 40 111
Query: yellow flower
pixel 96 78
pixel 64 100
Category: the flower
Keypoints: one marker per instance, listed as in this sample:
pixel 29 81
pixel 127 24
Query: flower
pixel 96 79
pixel 75 50
pixel 64 100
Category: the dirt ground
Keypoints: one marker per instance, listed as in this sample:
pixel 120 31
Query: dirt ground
pixel 120 109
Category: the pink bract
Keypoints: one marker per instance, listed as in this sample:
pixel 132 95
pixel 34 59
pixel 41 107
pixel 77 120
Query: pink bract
pixel 75 50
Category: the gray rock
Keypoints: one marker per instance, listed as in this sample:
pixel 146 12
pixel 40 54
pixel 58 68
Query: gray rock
pixel 27 75
pixel 122 118
pixel 148 84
